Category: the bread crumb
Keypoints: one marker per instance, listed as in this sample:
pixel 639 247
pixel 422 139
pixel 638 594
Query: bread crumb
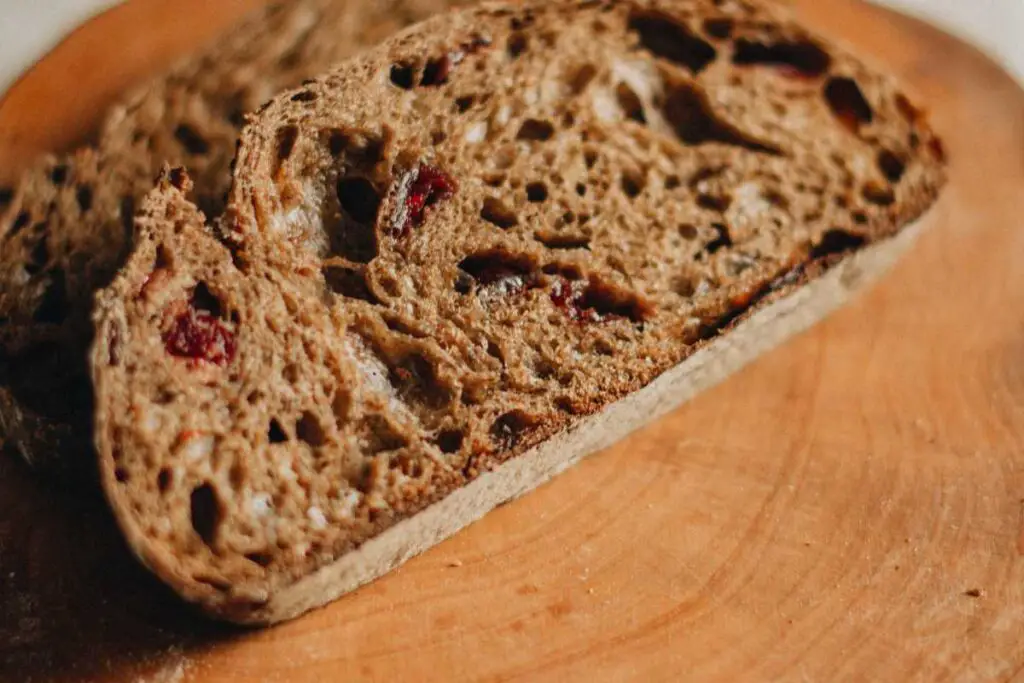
pixel 476 133
pixel 454 563
pixel 316 516
pixel 260 504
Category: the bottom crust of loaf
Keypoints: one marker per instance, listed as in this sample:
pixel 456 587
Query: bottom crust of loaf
pixel 761 329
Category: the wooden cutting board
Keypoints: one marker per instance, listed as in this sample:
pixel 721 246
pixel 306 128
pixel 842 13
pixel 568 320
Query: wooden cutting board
pixel 850 507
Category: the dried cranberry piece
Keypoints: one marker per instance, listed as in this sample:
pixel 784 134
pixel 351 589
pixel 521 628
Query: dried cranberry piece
pixel 198 335
pixel 594 301
pixel 570 298
pixel 424 187
pixel 437 71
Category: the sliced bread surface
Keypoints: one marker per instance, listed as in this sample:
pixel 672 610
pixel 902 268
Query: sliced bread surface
pixel 66 228
pixel 459 262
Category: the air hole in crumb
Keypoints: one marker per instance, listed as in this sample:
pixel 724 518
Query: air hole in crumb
pixel 359 199
pixel 463 104
pixel 688 231
pixel 630 103
pixel 437 137
pixel 163 480
pixel 403 76
pixel 906 109
pixel 596 301
pixel 497 213
pixel 59 174
pixel 55 306
pixel 206 512
pixel 84 197
pixel 39 257
pixel 878 194
pixel 286 138
pixel 23 219
pixel 516 45
pixel 205 300
pixel 191 140
pixel 275 434
pixel 439 69
pixel 566 405
pixel 262 559
pixel 566 270
pixel 291 373
pixel 688 111
pixel 304 96
pixel 309 430
pixel 509 429
pixel 416 379
pixel 581 189
pixel 669 39
pixel 536 192
pixel 500 271
pixel 672 182
pixel 722 238
pixel 450 440
pixel 563 241
pixel 535 129
pixel 891 165
pixel 494 179
pixel 719 28
pixel 632 183
pixel 848 103
pixel 121 475
pixel 237 475
pixel 348 282
pixel 799 59
pixel 719 203
pixel 581 77
pixel 836 241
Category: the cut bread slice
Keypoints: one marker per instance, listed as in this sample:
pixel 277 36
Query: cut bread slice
pixel 461 261
pixel 66 228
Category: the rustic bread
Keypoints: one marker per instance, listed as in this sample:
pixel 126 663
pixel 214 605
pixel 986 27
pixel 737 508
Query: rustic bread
pixel 66 228
pixel 462 260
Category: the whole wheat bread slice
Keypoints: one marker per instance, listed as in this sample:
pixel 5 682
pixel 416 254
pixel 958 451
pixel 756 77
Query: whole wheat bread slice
pixel 66 228
pixel 464 259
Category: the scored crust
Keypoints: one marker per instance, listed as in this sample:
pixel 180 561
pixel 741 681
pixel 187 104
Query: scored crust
pixel 66 228
pixel 454 258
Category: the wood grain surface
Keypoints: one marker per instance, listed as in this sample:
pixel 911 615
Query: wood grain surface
pixel 850 507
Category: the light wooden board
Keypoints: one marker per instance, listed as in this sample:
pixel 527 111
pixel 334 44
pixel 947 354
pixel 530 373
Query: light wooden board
pixel 850 507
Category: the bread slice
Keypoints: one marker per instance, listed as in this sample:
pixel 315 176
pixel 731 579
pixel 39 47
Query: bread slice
pixel 66 228
pixel 461 261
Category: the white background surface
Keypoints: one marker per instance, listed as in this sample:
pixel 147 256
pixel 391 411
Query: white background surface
pixel 28 28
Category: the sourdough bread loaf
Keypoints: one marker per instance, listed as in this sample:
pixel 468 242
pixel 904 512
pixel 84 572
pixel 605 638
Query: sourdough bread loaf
pixel 458 262
pixel 66 228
